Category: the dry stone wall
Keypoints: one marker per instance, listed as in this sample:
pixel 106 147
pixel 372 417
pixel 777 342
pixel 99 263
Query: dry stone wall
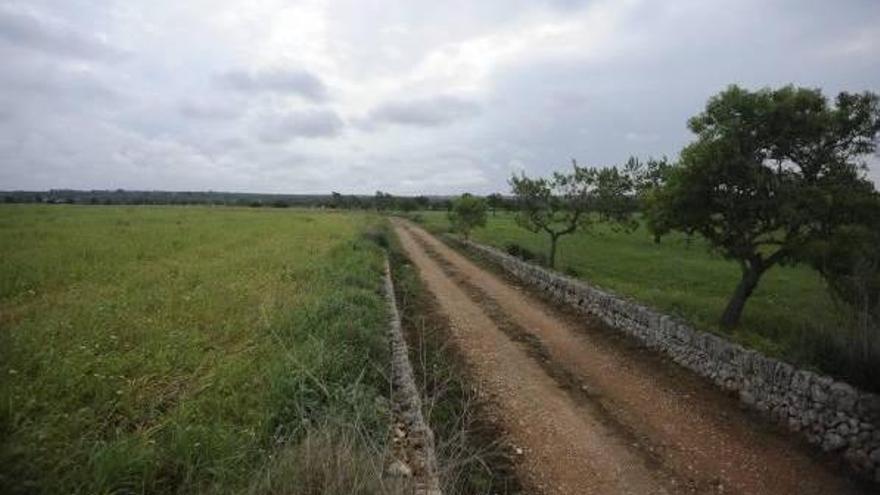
pixel 414 430
pixel 829 414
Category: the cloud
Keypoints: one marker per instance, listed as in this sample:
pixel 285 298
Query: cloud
pixel 300 124
pixel 200 110
pixel 290 81
pixel 26 29
pixel 50 87
pixel 425 112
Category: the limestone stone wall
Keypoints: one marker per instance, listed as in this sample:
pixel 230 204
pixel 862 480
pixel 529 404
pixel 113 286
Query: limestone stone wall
pixel 830 414
pixel 417 454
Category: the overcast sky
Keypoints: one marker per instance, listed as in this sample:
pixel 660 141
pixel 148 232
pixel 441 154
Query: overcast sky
pixel 403 96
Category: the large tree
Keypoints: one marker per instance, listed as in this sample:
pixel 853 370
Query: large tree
pixel 770 172
pixel 564 202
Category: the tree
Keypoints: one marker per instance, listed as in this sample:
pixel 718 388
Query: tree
pixel 848 258
pixel 423 202
pixel 406 204
pixel 494 201
pixel 768 175
pixel 468 212
pixel 336 200
pixel 561 204
pixel 382 201
pixel 649 177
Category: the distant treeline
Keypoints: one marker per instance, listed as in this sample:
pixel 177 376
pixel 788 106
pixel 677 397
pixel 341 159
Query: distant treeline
pixel 378 201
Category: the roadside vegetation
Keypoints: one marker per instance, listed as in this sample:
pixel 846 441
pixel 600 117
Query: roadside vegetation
pixel 190 350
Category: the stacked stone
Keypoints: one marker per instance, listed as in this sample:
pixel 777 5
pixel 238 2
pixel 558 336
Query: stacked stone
pixel 830 414
pixel 407 403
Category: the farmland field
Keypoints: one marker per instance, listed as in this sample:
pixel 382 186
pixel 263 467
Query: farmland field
pixel 183 349
pixel 790 315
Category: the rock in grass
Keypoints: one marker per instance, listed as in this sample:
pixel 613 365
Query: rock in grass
pixel 399 469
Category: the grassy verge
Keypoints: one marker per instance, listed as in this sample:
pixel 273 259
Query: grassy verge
pixel 790 315
pixel 182 350
pixel 471 459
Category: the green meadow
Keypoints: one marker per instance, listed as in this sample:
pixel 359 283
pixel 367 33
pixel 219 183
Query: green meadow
pixel 188 349
pixel 790 315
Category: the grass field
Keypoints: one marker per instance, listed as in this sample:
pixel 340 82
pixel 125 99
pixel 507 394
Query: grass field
pixel 186 349
pixel 790 315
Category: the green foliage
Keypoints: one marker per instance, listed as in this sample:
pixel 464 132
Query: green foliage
pixel 468 212
pixel 770 172
pixel 495 201
pixel 849 260
pixel 565 202
pixel 383 201
pixel 649 177
pixel 178 349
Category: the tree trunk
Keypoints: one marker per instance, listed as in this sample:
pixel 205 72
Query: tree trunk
pixel 751 274
pixel 552 260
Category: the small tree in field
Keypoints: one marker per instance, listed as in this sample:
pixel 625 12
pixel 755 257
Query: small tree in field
pixel 771 173
pixel 423 202
pixel 494 200
pixel 383 201
pixel 565 202
pixel 649 177
pixel 468 212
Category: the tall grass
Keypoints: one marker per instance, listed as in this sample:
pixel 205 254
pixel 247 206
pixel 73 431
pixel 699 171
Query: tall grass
pixel 791 314
pixel 183 350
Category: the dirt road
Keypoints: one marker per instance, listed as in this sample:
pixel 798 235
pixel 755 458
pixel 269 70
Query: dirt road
pixel 593 414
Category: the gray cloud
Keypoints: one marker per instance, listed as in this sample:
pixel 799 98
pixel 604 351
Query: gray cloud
pixel 425 112
pixel 27 29
pixel 200 110
pixel 59 84
pixel 291 81
pixel 300 124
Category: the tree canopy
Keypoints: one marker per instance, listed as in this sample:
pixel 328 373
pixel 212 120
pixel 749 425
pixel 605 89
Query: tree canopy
pixel 565 202
pixel 468 212
pixel 770 173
